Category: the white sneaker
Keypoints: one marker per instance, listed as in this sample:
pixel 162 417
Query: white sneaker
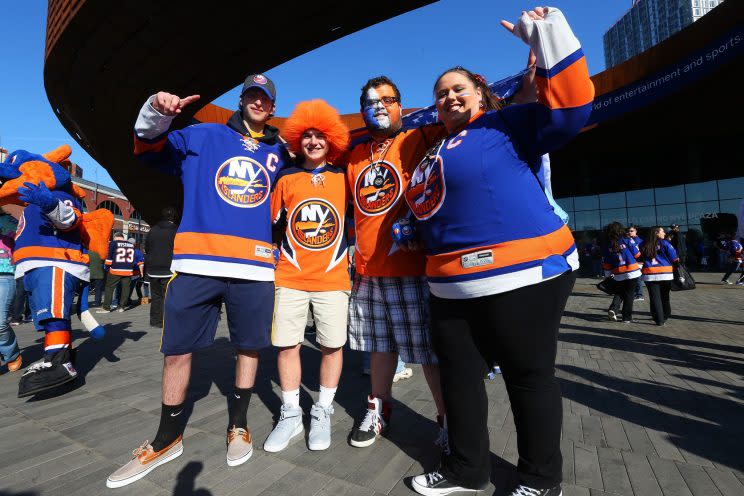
pixel 405 373
pixel 435 484
pixel 120 309
pixel 289 426
pixel 375 423
pixel 612 315
pixel 103 310
pixel 320 427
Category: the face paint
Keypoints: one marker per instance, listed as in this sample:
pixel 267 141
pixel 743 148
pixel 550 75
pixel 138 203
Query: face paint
pixel 375 114
pixel 464 94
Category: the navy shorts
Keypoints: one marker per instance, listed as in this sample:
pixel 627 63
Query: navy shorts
pixel 192 310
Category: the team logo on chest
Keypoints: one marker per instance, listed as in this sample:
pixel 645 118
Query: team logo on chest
pixel 242 182
pixel 377 188
pixel 314 224
pixel 425 193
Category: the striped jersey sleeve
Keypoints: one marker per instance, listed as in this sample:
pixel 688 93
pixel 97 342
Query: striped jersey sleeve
pixel 154 145
pixel 565 92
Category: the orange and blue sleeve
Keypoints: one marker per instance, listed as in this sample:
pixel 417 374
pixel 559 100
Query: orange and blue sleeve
pixel 565 91
pixel 154 145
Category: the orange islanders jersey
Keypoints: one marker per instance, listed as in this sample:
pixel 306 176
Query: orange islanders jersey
pixel 313 250
pixel 377 174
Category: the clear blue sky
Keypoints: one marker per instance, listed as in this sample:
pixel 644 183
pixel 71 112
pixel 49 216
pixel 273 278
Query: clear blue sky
pixel 412 49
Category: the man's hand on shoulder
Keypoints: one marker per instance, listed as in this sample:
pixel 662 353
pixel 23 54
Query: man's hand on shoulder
pixel 169 104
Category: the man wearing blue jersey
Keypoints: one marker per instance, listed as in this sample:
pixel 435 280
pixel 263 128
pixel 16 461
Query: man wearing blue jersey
pixel 222 254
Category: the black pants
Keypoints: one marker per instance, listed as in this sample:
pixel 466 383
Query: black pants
pixel 519 331
pixel 111 282
pixel 157 295
pixel 733 267
pixel 658 291
pixel 625 294
pixel 19 308
pixel 96 287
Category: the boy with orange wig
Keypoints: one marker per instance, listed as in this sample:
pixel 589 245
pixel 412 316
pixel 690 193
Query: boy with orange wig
pixel 309 203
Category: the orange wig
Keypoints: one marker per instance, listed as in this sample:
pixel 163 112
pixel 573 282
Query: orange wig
pixel 316 114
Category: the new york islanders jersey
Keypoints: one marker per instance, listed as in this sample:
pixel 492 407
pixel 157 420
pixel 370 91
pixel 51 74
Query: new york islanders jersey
pixel 661 267
pixel 622 264
pixel 52 239
pixel 227 178
pixel 313 249
pixel 120 258
pixel 377 175
pixel 486 222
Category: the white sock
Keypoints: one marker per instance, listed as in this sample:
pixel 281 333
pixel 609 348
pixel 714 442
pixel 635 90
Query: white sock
pixel 291 397
pixel 325 398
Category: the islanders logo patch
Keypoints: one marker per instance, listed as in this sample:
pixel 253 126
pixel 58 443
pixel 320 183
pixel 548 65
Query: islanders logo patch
pixel 425 193
pixel 377 188
pixel 242 182
pixel 314 224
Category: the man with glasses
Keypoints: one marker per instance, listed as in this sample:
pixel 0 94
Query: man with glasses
pixel 222 254
pixel 388 310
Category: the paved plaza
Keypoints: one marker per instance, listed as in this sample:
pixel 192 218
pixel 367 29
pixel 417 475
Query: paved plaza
pixel 647 411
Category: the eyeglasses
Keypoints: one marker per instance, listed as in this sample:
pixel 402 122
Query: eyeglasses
pixel 386 100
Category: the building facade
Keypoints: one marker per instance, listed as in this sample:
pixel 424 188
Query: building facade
pixel 647 23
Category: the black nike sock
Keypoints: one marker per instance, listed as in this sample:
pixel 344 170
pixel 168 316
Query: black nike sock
pixel 171 426
pixel 238 407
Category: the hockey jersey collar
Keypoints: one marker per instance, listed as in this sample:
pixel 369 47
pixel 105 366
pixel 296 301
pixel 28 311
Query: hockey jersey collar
pixel 271 134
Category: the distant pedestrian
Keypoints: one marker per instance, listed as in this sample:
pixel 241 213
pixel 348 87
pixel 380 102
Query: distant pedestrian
pixel 158 257
pixel 733 247
pixel 620 260
pixel 97 277
pixel 634 239
pixel 9 351
pixel 658 257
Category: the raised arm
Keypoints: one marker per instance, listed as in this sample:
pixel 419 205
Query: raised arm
pixel 565 92
pixel 152 142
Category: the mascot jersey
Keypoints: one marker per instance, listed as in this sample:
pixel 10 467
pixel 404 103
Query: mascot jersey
pixel 227 177
pixel 484 217
pixel 52 239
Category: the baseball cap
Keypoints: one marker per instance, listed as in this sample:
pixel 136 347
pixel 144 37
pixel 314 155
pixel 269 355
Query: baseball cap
pixel 260 81
pixel 132 240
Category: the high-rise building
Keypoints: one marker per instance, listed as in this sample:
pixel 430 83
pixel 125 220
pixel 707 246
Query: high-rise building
pixel 649 22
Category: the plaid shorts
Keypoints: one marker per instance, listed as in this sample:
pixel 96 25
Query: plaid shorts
pixel 391 314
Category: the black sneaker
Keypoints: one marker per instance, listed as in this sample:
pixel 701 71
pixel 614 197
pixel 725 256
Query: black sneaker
pixel 435 484
pixel 48 373
pixel 374 424
pixel 523 490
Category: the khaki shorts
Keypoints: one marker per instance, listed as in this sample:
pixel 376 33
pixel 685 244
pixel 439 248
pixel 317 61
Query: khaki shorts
pixel 330 312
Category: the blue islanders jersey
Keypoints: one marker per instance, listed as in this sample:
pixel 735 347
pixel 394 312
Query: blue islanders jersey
pixel 120 258
pixel 622 264
pixel 227 177
pixel 486 221
pixel 42 243
pixel 660 267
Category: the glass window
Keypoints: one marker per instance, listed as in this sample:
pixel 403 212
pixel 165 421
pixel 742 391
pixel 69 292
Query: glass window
pixel 671 214
pixel 590 202
pixel 731 188
pixel 672 194
pixel 612 200
pixel 697 210
pixel 565 203
pixel 640 197
pixel 587 220
pixel 730 206
pixel 642 216
pixel 614 215
pixel 111 207
pixel 697 192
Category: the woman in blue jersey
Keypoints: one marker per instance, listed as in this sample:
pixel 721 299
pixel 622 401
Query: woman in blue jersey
pixel 658 257
pixel 500 261
pixel 619 260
